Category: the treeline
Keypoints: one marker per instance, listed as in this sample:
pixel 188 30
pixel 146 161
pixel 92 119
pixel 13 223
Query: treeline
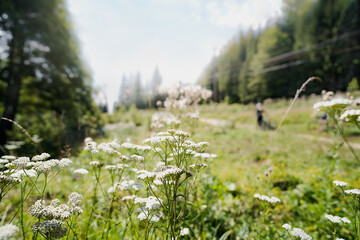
pixel 44 85
pixel 312 37
pixel 136 92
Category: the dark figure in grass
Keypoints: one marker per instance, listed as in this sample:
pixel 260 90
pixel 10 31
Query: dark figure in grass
pixel 261 121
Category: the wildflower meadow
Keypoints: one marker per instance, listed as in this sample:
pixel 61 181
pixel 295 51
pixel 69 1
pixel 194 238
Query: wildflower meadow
pixel 185 173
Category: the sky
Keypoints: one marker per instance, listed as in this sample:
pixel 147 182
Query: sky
pixel 179 37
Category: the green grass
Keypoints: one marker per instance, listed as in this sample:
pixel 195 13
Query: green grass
pixel 304 166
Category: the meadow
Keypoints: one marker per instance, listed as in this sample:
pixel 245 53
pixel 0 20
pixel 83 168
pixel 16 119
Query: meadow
pixel 217 176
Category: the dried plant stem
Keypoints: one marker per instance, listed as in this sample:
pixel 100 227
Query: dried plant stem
pixel 301 89
pixel 24 131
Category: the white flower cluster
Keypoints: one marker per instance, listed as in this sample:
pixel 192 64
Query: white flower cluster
pixel 50 228
pixel 353 191
pixel 128 185
pixel 21 162
pixel 55 211
pixel 161 120
pixel 23 173
pixel 8 231
pixel 205 156
pixel 332 105
pixel 137 158
pixel 268 199
pixel 350 115
pixel 150 203
pixel 184 232
pixel 340 183
pixel 132 146
pixel 168 173
pixel 40 157
pixel 296 232
pixel 180 97
pixel 129 198
pixel 151 216
pixel 46 166
pixel 82 171
pixel 336 219
pixel 118 168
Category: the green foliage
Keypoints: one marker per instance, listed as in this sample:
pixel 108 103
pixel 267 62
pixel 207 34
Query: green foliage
pixel 353 85
pixel 311 38
pixel 48 86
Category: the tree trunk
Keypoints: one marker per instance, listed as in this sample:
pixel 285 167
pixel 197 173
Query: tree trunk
pixel 14 81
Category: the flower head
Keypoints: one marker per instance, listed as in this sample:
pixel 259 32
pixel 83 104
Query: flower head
pixel 297 232
pixel 340 183
pixel 7 231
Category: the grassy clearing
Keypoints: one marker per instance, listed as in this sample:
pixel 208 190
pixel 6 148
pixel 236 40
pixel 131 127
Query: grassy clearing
pixel 302 164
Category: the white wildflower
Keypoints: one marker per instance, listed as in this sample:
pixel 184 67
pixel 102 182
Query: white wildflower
pixel 3 161
pixel 21 162
pixel 23 173
pixel 47 166
pixel 336 219
pixel 128 198
pixel 265 198
pixel 81 171
pixel 334 104
pixel 65 162
pixel 146 175
pixel 137 158
pixel 287 226
pixel 353 191
pixel 297 232
pixel 340 183
pixel 170 171
pixel 129 185
pixel 184 231
pixel 151 203
pixel 51 228
pixel 40 157
pixel 9 157
pixel 350 115
pixel 7 231
pixel 94 163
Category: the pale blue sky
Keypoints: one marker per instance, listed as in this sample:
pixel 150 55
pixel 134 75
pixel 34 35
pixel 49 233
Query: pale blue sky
pixel 120 37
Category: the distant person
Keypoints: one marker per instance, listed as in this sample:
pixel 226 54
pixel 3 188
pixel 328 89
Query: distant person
pixel 323 121
pixel 261 121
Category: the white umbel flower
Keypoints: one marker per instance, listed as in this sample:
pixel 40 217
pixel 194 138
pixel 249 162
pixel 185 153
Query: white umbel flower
pixel 146 175
pixel 265 198
pixel 21 162
pixel 41 157
pixel 332 105
pixel 287 226
pixel 297 232
pixel 129 198
pixel 184 232
pixel 7 231
pixel 336 219
pixel 340 183
pixel 8 157
pixel 82 171
pixel 94 163
pixel 353 191
pixel 65 162
pixel 47 166
pixel 23 173
pixel 350 115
